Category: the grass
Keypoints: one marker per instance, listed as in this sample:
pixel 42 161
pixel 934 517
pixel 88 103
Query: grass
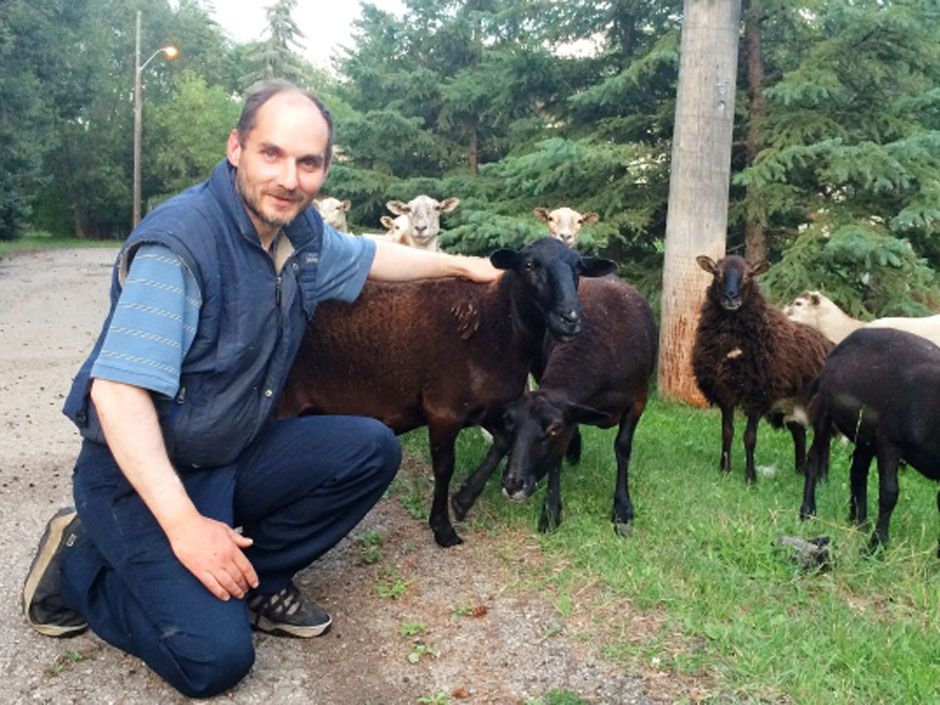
pixel 40 240
pixel 734 608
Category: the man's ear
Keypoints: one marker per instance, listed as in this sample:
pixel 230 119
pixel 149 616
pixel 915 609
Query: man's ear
pixel 233 148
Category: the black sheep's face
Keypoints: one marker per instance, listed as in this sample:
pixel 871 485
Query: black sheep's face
pixel 733 278
pixel 540 435
pixel 550 272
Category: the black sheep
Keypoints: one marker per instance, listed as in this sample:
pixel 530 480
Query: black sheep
pixel 600 377
pixel 748 354
pixel 446 353
pixel 881 389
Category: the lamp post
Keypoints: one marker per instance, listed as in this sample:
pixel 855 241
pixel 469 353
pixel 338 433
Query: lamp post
pixel 171 52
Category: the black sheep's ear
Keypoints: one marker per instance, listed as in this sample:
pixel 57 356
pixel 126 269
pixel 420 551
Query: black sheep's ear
pixel 504 258
pixel 760 268
pixel 707 263
pixel 596 266
pixel 578 413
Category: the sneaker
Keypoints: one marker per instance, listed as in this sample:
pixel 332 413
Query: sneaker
pixel 287 613
pixel 42 603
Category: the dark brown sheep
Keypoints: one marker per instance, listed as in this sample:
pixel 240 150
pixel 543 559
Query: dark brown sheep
pixel 599 377
pixel 881 389
pixel 748 354
pixel 446 353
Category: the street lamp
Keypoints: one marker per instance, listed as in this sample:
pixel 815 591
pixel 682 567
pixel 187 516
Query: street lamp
pixel 170 52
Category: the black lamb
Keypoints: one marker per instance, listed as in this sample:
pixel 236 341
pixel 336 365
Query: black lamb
pixel 748 354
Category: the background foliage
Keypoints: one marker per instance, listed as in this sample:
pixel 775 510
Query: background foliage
pixel 511 105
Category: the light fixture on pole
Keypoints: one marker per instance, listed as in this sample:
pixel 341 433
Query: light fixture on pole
pixel 170 52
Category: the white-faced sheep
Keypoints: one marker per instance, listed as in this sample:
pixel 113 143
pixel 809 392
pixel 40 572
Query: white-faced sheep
pixel 398 229
pixel 819 312
pixel 425 214
pixel 446 353
pixel 565 223
pixel 880 388
pixel 334 212
pixel 748 354
pixel 599 377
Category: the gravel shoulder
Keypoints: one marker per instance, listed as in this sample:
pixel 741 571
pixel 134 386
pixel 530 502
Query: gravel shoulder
pixel 496 640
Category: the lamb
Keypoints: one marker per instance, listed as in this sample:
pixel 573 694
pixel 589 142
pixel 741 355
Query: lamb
pixel 425 213
pixel 881 389
pixel 599 377
pixel 334 212
pixel 814 309
pixel 446 353
pixel 399 229
pixel 748 354
pixel 565 223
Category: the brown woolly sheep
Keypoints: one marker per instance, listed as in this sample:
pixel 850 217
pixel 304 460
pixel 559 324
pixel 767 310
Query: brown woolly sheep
pixel 446 353
pixel 881 388
pixel 599 377
pixel 748 354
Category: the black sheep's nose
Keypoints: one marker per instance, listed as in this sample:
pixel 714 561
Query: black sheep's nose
pixel 570 316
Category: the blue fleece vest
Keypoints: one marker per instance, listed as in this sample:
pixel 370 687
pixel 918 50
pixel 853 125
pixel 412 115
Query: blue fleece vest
pixel 250 325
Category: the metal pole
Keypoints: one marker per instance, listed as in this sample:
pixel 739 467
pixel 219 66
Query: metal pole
pixel 137 126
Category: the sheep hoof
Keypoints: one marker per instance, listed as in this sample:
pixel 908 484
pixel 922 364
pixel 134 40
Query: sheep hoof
pixel 549 521
pixel 807 512
pixel 457 505
pixel 623 529
pixel 447 537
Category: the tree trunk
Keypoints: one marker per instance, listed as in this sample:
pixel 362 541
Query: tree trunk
pixel 755 239
pixel 697 217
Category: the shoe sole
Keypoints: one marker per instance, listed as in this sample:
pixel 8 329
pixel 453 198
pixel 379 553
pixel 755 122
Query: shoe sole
pixel 263 624
pixel 49 543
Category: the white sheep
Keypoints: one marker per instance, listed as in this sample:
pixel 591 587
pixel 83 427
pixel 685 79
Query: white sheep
pixel 398 229
pixel 334 212
pixel 425 215
pixel 565 223
pixel 817 311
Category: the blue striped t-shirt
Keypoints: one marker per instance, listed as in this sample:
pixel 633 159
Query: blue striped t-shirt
pixel 153 325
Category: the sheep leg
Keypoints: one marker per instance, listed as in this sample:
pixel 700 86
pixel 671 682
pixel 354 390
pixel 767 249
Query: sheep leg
pixel 858 481
pixel 798 432
pixel 551 510
pixel 888 459
pixel 467 495
pixel 573 453
pixel 623 446
pixel 727 435
pixel 818 455
pixel 938 510
pixel 750 440
pixel 442 460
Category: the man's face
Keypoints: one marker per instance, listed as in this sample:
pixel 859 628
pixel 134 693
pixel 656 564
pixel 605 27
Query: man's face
pixel 282 164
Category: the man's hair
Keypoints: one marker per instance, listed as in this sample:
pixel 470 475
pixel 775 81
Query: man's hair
pixel 261 92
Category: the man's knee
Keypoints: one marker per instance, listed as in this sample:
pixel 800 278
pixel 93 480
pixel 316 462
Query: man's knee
pixel 383 447
pixel 218 665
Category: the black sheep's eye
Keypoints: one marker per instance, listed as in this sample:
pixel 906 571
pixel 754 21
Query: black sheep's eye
pixel 530 265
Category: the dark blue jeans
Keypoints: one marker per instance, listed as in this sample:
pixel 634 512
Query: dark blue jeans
pixel 296 492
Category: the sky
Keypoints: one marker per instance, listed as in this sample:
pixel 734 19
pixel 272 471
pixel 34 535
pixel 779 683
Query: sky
pixel 326 24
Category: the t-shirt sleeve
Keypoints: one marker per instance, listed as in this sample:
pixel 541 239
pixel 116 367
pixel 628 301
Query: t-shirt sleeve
pixel 153 325
pixel 344 264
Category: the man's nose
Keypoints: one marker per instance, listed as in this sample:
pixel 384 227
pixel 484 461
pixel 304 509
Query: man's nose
pixel 288 176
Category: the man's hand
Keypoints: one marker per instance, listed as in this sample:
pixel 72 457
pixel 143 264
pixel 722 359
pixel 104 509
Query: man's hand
pixel 211 551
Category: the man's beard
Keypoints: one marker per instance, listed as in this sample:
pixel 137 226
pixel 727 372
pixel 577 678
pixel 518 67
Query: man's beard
pixel 253 204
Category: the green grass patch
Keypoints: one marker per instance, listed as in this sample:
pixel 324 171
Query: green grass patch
pixel 703 553
pixel 38 240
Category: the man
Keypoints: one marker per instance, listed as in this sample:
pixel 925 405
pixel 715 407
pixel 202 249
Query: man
pixel 210 297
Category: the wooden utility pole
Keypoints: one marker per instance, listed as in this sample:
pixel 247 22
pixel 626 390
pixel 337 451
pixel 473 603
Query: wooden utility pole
pixel 697 217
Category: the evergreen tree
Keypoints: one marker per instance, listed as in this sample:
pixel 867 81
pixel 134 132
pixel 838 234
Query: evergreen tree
pixel 276 56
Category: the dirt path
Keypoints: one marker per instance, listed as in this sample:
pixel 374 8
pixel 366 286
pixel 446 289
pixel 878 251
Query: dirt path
pixel 495 641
